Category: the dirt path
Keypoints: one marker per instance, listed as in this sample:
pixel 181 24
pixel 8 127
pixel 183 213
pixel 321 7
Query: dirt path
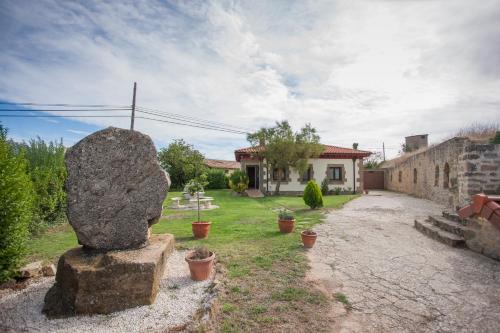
pixel 398 280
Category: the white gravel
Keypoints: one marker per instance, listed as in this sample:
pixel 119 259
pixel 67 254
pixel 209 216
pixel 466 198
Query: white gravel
pixel 178 299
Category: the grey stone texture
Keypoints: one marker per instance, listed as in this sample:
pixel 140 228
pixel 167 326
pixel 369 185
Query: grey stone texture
pixel 473 168
pixel 485 239
pixel 89 283
pixel 397 279
pixel 115 188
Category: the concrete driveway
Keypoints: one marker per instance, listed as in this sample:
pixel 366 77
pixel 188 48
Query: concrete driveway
pixel 395 278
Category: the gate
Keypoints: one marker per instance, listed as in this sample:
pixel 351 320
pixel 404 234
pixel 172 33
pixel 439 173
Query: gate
pixel 373 179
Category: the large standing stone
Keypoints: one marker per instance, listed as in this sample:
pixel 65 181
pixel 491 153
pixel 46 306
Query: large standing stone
pixel 115 187
pixel 90 282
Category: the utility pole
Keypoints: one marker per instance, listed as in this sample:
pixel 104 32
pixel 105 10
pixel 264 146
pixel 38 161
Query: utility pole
pixel 383 150
pixel 133 108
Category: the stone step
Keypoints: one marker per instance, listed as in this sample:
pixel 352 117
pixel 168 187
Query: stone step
pixel 436 233
pixel 455 217
pixel 447 225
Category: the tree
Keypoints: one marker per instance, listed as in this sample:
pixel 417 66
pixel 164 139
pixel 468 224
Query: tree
pixel 312 195
pixel 283 148
pixel 16 207
pixel 373 161
pixel 238 181
pixel 216 178
pixel 181 161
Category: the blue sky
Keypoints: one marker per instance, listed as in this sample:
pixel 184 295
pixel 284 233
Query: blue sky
pixel 359 71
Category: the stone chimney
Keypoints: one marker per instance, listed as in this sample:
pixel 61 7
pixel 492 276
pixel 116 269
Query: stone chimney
pixel 415 142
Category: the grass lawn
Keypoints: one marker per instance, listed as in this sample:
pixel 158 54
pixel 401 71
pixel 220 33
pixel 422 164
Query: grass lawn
pixel 265 268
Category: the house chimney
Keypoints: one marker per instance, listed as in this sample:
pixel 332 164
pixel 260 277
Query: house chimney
pixel 415 142
pixel 355 146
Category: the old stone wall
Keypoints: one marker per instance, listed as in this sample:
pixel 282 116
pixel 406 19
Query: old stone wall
pixel 448 173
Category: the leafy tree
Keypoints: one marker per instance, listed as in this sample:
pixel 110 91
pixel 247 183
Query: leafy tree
pixel 238 181
pixel 284 148
pixel 216 179
pixel 312 195
pixel 373 161
pixel 181 161
pixel 16 207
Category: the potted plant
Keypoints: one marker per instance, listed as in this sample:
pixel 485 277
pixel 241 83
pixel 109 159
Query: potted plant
pixel 308 238
pixel 200 263
pixel 366 191
pixel 200 228
pixel 286 221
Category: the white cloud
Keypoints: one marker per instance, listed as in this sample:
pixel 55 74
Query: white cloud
pixel 359 71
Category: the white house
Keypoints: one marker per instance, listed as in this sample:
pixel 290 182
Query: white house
pixel 341 166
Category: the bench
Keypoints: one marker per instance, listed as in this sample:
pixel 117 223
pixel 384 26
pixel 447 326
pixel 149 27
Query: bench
pixel 176 201
pixel 205 201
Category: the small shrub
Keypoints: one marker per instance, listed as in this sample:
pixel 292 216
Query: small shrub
pixel 312 195
pixel 324 186
pixel 201 253
pixel 496 138
pixel 196 185
pixel 285 215
pixel 238 181
pixel 216 179
pixel 337 190
pixel 16 207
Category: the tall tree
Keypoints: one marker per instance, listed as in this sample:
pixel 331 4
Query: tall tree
pixel 284 148
pixel 181 161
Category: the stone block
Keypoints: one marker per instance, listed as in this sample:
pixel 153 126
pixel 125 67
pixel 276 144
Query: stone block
pixel 88 282
pixel 488 167
pixel 31 270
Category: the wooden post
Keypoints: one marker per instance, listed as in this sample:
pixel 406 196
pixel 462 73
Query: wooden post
pixel 133 107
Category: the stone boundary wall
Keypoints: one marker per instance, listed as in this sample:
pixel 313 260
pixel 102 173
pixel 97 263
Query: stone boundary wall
pixel 448 173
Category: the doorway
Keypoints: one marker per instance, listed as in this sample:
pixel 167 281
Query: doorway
pixel 253 176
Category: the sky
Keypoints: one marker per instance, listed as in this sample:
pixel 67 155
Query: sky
pixel 370 72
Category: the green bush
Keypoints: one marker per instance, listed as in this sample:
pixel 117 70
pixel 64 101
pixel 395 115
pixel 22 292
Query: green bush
pixel 48 174
pixel 324 186
pixel 216 179
pixel 16 207
pixel 312 195
pixel 336 190
pixel 238 181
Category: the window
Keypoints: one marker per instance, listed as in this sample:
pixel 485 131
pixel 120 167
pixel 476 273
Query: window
pixel 446 176
pixel 335 173
pixel 308 174
pixel 436 176
pixel 414 176
pixel 391 176
pixel 400 176
pixel 279 173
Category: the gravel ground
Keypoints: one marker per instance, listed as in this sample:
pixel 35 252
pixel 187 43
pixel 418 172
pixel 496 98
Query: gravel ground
pixel 178 299
pixel 397 279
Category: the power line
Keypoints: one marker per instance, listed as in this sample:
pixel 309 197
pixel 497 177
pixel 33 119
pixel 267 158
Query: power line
pixel 189 122
pixel 69 105
pixel 65 110
pixel 190 125
pixel 204 121
pixel 59 116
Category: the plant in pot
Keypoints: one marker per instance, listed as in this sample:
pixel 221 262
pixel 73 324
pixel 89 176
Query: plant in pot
pixel 200 228
pixel 200 263
pixel 308 238
pixel 286 221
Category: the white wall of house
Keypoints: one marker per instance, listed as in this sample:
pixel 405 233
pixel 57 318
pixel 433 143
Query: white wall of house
pixel 320 166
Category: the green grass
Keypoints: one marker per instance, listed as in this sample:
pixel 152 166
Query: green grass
pixel 265 268
pixel 343 299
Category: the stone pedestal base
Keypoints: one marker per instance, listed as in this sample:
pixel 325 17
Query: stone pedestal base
pixel 88 283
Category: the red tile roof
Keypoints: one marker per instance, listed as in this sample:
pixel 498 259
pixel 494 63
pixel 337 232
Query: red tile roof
pixel 222 164
pixel 330 151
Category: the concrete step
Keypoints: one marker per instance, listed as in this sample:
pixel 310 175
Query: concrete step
pixel 436 233
pixel 447 225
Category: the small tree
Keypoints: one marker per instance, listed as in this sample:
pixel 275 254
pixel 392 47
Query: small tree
pixel 196 185
pixel 324 186
pixel 16 206
pixel 312 195
pixel 238 181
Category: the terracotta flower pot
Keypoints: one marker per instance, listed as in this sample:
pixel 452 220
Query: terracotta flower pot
pixel 200 229
pixel 200 269
pixel 286 226
pixel 366 191
pixel 308 239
